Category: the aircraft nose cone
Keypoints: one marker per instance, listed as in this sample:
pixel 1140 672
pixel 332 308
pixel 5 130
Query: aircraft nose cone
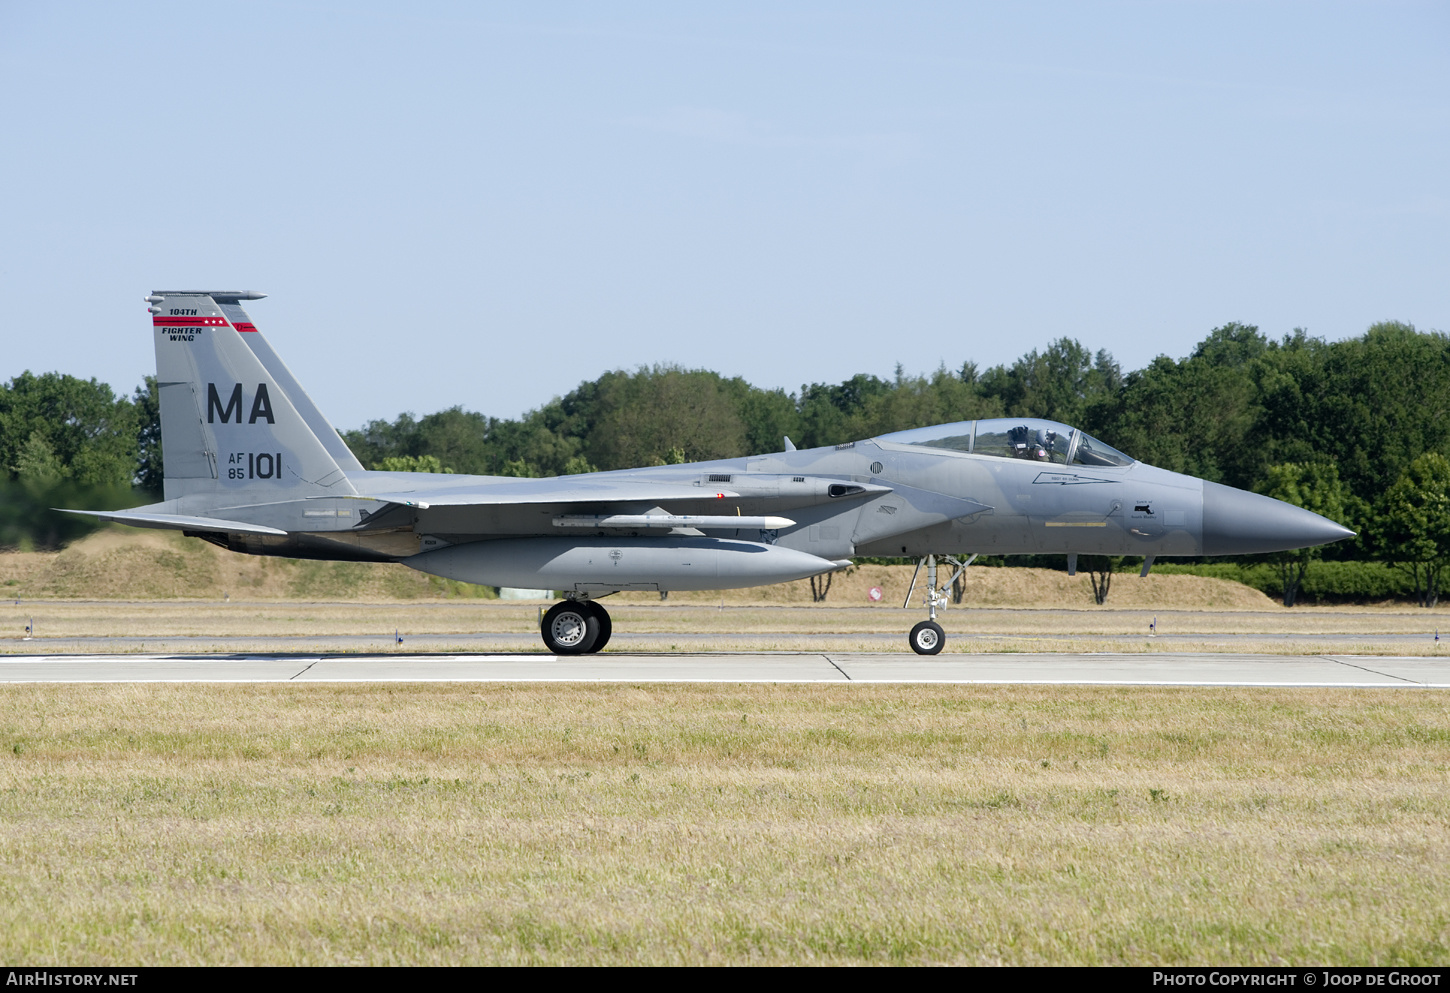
pixel 1236 522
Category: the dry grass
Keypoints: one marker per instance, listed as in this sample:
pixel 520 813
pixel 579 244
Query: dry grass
pixel 121 563
pixel 436 626
pixel 443 824
pixel 518 823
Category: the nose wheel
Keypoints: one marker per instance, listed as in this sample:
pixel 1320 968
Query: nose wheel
pixel 576 627
pixel 927 638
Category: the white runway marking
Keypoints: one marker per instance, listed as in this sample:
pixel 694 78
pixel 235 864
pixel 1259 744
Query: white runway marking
pixel 784 667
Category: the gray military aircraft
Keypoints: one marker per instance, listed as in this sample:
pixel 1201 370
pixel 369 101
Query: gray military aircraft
pixel 252 465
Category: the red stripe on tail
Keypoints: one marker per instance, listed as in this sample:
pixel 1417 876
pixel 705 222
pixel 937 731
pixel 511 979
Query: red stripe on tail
pixel 189 322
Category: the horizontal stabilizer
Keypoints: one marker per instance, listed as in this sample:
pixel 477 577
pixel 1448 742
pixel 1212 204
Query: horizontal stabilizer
pixel 175 522
pixel 703 521
pixel 220 296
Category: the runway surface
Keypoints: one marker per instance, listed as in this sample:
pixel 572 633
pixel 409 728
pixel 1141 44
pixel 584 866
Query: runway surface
pixel 494 642
pixel 1167 669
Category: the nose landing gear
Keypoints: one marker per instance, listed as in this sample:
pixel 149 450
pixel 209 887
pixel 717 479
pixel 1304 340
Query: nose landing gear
pixel 927 638
pixel 576 627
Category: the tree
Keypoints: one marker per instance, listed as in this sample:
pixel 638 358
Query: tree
pixel 380 439
pixel 1195 416
pixel 821 584
pixel 832 415
pixel 1315 486
pixel 64 442
pixel 412 463
pixel 150 467
pixel 675 456
pixel 1292 385
pixel 458 438
pixel 1100 569
pixel 1411 526
pixel 917 401
pixel 1059 383
pixel 36 462
pixel 647 414
pixel 1373 403
pixel 90 432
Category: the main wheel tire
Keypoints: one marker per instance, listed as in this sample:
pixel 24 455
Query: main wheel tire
pixel 606 626
pixel 570 628
pixel 927 638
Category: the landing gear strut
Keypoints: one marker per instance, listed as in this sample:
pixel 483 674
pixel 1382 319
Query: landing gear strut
pixel 927 638
pixel 576 627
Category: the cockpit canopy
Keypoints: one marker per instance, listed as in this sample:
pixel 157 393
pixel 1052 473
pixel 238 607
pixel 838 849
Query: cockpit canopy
pixel 1014 438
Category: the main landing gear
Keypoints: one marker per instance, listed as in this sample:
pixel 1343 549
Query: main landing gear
pixel 576 627
pixel 927 638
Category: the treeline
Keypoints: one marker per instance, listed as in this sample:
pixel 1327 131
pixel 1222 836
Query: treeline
pixel 1352 429
pixel 663 415
pixel 68 442
pixel 1238 405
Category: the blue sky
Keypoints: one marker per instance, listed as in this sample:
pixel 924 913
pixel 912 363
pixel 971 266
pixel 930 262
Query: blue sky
pixel 484 204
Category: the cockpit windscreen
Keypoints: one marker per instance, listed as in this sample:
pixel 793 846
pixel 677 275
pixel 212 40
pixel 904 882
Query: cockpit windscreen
pixel 1014 438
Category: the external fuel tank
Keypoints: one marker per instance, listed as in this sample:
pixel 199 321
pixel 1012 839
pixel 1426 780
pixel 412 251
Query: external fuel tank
pixel 604 564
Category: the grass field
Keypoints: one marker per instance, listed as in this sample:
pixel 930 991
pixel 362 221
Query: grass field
pixel 641 625
pixel 678 823
pixel 176 824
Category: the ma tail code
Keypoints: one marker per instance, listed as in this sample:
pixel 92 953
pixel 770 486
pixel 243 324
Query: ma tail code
pixel 215 410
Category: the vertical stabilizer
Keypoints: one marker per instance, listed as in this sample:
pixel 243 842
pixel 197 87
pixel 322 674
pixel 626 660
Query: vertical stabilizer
pixel 273 363
pixel 232 431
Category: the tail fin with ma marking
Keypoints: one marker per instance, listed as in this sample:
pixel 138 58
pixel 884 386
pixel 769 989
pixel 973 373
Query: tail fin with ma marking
pixel 236 426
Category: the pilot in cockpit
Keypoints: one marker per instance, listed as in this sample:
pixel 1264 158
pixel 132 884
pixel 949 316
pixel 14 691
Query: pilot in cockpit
pixel 1027 444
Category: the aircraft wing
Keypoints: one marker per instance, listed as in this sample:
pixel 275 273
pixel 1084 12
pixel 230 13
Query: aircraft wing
pixel 551 490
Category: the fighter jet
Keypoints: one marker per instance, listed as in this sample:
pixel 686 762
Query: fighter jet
pixel 251 465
